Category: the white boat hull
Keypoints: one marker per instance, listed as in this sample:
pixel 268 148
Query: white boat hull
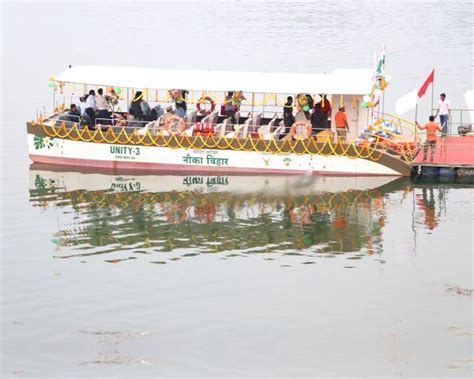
pixel 139 157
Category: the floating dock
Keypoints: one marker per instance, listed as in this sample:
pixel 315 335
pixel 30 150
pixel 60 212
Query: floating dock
pixel 454 158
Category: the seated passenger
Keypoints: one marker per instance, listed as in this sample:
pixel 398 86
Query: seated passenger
pixel 169 113
pixel 136 107
pixel 180 103
pixel 157 112
pixel 118 119
pixel 145 107
pixel 74 115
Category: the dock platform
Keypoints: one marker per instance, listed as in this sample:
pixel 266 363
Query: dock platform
pixel 454 157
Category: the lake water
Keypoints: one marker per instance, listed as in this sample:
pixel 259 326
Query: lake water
pixel 133 275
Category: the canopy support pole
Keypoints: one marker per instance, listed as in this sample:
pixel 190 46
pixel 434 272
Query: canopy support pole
pixel 128 99
pixel 54 98
pixel 416 119
pixel 253 101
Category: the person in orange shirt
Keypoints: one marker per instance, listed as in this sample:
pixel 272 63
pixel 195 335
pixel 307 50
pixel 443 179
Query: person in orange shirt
pixel 342 126
pixel 431 129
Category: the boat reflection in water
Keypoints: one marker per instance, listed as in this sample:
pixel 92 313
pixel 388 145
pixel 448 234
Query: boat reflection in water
pixel 130 216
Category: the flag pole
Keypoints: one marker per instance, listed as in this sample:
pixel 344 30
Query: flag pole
pixel 416 119
pixel 383 92
pixel 432 96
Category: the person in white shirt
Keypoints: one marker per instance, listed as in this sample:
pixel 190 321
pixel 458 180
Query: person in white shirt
pixel 82 105
pixel 101 101
pixel 102 106
pixel 91 106
pixel 444 111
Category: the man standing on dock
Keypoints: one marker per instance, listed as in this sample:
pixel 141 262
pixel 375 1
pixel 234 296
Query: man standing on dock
pixel 431 129
pixel 444 111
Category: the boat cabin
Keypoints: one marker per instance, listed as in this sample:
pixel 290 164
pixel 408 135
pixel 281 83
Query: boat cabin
pixel 230 103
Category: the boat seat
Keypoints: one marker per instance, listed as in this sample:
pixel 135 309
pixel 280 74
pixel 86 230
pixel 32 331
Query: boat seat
pixel 237 117
pixel 213 117
pixel 220 129
pixel 191 117
pixel 189 131
pixel 152 126
pixel 242 131
pixel 256 122
pixel 279 130
pixel 206 118
pixel 265 131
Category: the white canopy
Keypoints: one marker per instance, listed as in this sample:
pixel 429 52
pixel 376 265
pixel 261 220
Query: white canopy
pixel 339 82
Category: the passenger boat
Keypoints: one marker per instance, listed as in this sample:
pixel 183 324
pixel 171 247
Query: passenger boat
pixel 252 141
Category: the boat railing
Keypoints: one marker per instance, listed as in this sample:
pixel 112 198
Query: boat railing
pixel 137 135
pixel 459 117
pixel 402 125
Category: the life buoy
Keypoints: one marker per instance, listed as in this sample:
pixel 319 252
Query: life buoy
pixel 203 99
pixel 181 127
pixel 298 128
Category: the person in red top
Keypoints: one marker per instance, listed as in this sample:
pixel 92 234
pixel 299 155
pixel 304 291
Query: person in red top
pixel 342 126
pixel 324 110
pixel 431 129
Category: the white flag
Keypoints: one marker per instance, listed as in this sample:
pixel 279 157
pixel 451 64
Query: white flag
pixel 406 102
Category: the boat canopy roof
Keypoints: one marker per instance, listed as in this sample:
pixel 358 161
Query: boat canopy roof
pixel 338 82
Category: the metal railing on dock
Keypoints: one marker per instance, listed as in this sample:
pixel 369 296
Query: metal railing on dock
pixel 459 117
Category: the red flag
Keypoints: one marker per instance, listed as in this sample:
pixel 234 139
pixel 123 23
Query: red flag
pixel 425 85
